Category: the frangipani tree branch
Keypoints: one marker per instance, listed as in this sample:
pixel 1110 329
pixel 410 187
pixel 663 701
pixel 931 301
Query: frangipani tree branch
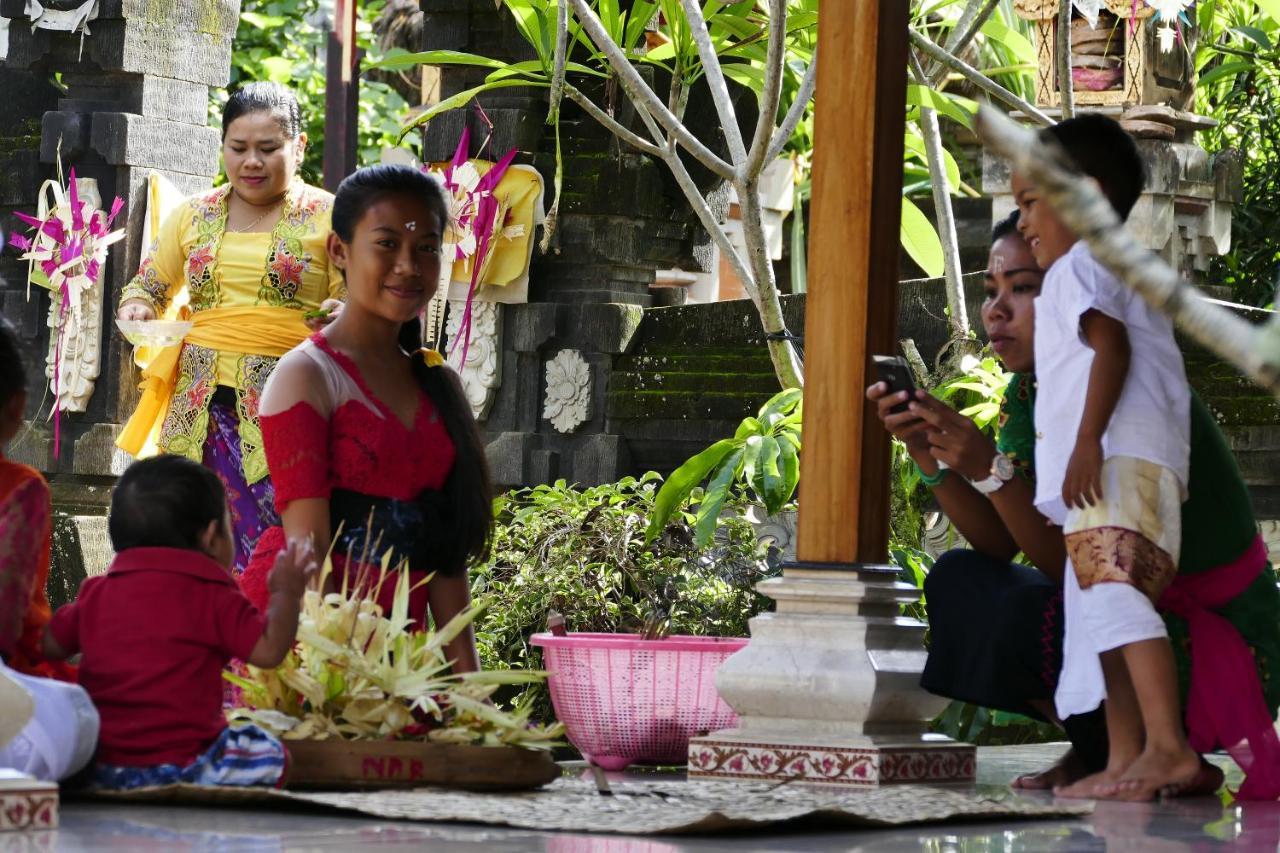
pixel 1066 92
pixel 796 113
pixel 952 275
pixel 611 124
pixel 665 126
pixel 756 159
pixel 561 61
pixel 1255 350
pixel 715 80
pixel 967 27
pixel 641 93
pixel 978 79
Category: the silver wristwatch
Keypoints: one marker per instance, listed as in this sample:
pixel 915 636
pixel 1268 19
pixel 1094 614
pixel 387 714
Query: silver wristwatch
pixel 1001 473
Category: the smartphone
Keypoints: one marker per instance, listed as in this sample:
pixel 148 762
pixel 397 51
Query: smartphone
pixel 894 371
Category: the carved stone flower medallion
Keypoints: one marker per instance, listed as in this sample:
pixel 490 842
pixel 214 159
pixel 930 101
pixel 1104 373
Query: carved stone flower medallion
pixel 568 401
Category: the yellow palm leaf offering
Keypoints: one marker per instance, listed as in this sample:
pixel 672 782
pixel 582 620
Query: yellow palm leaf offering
pixel 357 673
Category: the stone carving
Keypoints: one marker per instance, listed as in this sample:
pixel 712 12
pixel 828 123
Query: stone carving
pixel 568 401
pixel 482 373
pixel 777 531
pixel 80 342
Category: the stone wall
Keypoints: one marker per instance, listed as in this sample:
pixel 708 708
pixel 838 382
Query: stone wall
pixel 135 99
pixel 693 372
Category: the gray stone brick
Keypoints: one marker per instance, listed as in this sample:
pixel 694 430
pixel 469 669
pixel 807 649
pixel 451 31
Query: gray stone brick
pixel 599 459
pixel 528 327
pixel 96 454
pixel 608 327
pixel 508 456
pixel 125 139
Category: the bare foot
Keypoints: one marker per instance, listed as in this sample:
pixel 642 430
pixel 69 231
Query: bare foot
pixel 1156 772
pixel 1087 788
pixel 1066 770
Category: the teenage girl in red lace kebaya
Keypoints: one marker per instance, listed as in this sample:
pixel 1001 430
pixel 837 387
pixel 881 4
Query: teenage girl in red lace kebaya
pixel 367 436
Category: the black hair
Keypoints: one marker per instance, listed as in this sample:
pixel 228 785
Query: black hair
pixel 468 490
pixel 263 96
pixel 359 190
pixel 13 370
pixel 1102 149
pixel 1006 226
pixel 164 502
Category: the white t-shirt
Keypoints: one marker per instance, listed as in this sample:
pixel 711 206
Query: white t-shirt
pixel 1152 419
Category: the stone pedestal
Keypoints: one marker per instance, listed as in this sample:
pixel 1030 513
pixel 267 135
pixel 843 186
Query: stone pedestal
pixel 828 690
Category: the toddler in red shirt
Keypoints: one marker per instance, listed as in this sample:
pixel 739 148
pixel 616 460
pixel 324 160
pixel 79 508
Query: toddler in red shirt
pixel 155 632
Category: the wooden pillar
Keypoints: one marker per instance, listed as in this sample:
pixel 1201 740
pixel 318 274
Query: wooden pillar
pixel 853 273
pixel 831 678
pixel 341 96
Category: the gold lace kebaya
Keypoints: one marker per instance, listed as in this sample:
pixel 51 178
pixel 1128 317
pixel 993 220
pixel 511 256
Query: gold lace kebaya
pixel 246 293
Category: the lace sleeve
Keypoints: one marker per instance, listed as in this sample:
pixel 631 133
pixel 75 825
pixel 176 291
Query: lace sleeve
pixel 160 275
pixel 297 445
pixel 24 518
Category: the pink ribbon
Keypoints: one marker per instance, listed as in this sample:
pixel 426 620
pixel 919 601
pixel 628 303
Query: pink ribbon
pixel 1225 706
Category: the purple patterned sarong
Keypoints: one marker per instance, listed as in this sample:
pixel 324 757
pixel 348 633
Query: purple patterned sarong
pixel 252 506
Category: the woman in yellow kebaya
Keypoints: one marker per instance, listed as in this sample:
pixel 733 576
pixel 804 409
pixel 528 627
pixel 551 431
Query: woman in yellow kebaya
pixel 246 264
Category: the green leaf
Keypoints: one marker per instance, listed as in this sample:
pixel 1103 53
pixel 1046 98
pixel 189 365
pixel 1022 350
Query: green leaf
pixel 749 426
pixel 1270 7
pixel 709 510
pixel 920 240
pixel 278 69
pixel 750 459
pixel 463 98
pixel 675 491
pixel 398 59
pixel 789 467
pixel 750 76
pixel 1226 69
pixel 773 487
pixel 915 145
pixel 946 105
pixel 533 68
pixel 262 22
pixel 998 31
pixel 782 403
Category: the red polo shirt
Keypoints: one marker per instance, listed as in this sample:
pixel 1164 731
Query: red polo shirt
pixel 154 634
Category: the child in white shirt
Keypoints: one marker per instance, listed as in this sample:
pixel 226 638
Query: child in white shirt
pixel 1112 450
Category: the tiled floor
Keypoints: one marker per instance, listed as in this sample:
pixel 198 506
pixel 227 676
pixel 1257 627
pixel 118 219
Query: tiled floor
pixel 1188 825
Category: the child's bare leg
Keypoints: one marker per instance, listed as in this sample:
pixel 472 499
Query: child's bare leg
pixel 1167 761
pixel 1124 730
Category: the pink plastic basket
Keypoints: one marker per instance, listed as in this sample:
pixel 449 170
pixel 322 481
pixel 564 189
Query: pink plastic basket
pixel 623 699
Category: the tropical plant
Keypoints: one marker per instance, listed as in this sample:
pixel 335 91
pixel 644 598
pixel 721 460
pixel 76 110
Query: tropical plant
pixel 582 553
pixel 285 41
pixel 713 42
pixel 1238 62
pixel 978 390
pixel 762 459
pixel 990 31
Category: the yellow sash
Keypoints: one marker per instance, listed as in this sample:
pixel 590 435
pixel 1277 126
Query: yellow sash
pixel 257 330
